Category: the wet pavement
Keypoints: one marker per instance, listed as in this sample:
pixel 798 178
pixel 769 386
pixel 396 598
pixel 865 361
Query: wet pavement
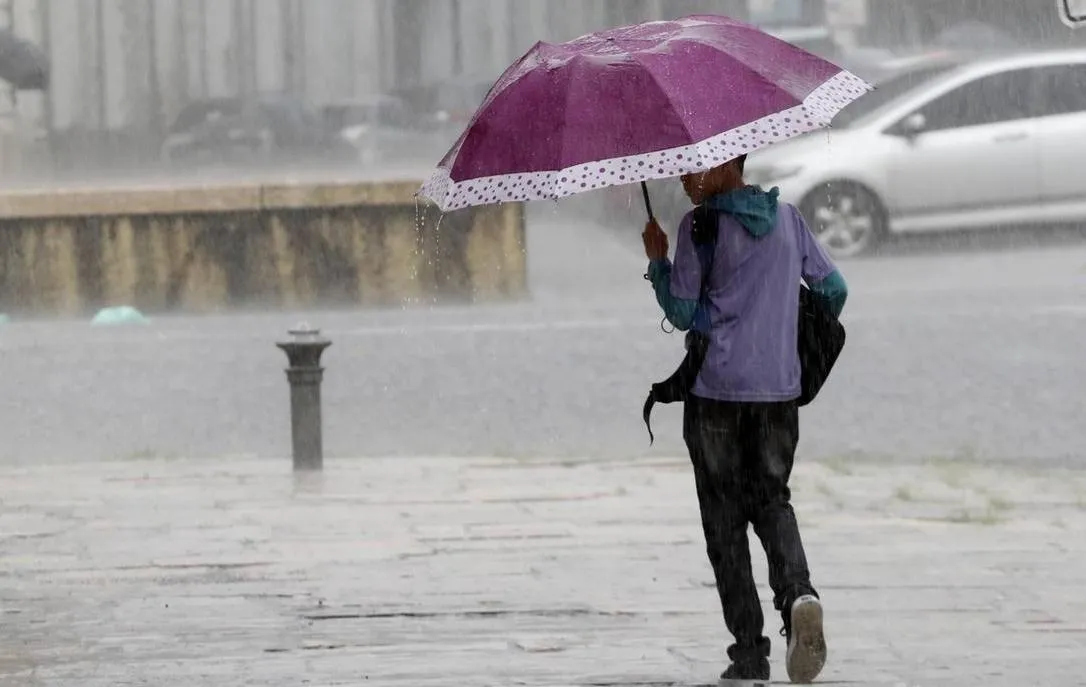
pixel 496 572
pixel 974 353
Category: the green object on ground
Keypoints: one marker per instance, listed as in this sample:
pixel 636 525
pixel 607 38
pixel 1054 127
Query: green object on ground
pixel 120 315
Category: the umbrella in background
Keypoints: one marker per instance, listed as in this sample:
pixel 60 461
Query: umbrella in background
pixel 22 64
pixel 641 102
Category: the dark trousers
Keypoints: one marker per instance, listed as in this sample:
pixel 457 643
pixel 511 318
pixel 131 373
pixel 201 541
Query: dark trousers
pixel 742 455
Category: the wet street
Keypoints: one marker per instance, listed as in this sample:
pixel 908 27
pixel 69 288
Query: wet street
pixel 974 352
pixel 569 569
pixel 510 572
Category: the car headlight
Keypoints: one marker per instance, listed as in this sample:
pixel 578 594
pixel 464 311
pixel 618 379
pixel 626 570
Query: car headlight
pixel 763 176
pixel 354 134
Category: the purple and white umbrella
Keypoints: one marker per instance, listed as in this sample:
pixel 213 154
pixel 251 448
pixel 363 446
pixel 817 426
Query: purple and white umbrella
pixel 641 102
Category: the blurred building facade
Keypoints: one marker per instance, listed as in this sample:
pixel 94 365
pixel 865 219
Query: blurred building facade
pixel 122 69
pixel 124 63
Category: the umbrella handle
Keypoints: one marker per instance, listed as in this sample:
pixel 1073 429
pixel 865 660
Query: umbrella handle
pixel 648 203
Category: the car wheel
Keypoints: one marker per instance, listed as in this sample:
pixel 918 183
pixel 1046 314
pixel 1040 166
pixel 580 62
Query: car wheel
pixel 848 219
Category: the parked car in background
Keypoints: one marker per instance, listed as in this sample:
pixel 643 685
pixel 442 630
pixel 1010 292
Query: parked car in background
pixel 270 128
pixel 960 144
pixel 455 101
pixel 383 128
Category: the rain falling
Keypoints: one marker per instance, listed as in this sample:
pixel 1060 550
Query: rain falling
pixel 327 326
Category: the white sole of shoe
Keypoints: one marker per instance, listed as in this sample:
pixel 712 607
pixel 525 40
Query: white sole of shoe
pixel 807 647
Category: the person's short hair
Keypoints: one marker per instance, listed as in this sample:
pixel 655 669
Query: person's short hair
pixel 740 162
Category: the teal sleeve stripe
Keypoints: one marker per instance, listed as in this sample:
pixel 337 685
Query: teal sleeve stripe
pixel 679 312
pixel 833 290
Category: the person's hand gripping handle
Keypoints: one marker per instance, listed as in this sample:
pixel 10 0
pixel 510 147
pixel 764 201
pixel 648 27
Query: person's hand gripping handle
pixel 656 242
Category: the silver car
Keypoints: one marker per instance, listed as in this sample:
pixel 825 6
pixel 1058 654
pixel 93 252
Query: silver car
pixel 944 145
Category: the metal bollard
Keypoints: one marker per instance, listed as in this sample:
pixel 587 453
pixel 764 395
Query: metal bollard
pixel 305 373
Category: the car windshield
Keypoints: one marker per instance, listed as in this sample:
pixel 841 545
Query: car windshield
pixel 886 91
pixel 201 112
pixel 379 113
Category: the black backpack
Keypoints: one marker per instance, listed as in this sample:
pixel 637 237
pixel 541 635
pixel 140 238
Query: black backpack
pixel 821 335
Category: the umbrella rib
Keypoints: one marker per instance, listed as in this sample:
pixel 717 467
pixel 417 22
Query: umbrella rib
pixel 668 97
pixel 506 81
pixel 752 67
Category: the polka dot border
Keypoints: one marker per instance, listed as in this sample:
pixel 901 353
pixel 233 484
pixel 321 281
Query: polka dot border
pixel 815 112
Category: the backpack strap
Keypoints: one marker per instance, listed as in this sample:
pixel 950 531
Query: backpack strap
pixel 705 229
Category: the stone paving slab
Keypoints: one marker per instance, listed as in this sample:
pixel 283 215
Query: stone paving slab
pixel 498 572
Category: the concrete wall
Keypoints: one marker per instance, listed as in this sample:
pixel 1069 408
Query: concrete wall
pixel 201 250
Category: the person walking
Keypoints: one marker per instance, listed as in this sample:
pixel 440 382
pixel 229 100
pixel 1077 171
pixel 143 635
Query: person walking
pixel 741 417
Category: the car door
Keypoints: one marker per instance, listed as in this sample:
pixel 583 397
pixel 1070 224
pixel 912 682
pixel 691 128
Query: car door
pixel 1060 109
pixel 971 148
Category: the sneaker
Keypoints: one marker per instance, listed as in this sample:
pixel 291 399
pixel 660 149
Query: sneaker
pixel 752 673
pixel 806 642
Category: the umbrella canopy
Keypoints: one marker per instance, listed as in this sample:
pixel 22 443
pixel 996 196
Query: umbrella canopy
pixel 22 64
pixel 635 103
